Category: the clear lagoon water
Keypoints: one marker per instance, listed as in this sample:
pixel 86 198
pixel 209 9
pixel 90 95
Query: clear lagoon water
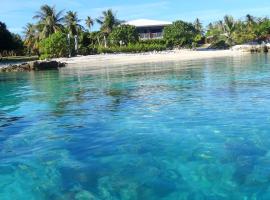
pixel 168 131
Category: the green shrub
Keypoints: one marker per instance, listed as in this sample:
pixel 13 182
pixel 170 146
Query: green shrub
pixel 55 46
pixel 180 34
pixel 87 50
pixel 10 44
pixel 133 48
pixel 221 44
pixel 199 40
pixel 154 41
pixel 125 34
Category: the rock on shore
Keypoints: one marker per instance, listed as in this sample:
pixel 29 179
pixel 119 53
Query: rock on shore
pixel 252 48
pixel 33 66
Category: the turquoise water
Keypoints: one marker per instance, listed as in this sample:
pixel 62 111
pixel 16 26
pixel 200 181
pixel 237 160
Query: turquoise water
pixel 170 131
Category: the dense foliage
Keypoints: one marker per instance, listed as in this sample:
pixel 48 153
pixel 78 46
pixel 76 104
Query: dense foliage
pixel 31 39
pixel 123 35
pixel 54 46
pixel 231 32
pixel 132 48
pixel 10 43
pixel 108 22
pixel 48 37
pixel 154 41
pixel 180 33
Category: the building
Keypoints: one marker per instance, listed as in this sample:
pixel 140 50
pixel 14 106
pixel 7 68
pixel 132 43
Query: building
pixel 149 29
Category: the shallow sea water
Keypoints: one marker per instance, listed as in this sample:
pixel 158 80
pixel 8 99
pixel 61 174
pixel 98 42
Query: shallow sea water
pixel 170 131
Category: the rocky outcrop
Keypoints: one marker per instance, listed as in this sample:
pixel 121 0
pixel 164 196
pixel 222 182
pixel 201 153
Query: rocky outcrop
pixel 252 48
pixel 33 66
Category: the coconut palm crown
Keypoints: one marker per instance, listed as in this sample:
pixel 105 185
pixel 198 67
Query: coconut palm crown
pixel 72 23
pixel 49 20
pixel 89 22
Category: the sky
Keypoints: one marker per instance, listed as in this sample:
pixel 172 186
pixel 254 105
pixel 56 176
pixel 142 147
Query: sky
pixel 17 13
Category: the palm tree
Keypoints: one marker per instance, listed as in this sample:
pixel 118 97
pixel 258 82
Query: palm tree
pixel 198 26
pixel 49 22
pixel 250 23
pixel 89 22
pixel 229 27
pixel 31 37
pixel 210 26
pixel 107 21
pixel 220 26
pixel 250 20
pixel 72 23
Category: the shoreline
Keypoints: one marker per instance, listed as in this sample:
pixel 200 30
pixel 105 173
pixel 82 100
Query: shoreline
pixel 152 57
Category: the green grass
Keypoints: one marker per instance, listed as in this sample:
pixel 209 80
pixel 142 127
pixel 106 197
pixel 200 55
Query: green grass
pixel 18 58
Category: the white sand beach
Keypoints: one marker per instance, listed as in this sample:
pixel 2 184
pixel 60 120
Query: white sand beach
pixel 140 58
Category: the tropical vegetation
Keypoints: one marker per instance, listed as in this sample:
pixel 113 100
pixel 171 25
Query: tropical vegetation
pixel 55 33
pixel 54 46
pixel 229 31
pixel 180 34
pixel 72 23
pixel 124 35
pixel 10 44
pixel 108 22
pixel 49 21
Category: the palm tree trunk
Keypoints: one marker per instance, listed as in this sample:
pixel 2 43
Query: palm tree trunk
pixel 98 41
pixel 105 41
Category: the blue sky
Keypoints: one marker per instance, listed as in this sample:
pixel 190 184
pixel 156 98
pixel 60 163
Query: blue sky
pixel 16 13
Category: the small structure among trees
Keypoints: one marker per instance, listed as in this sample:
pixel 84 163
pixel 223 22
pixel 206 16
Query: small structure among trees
pixel 149 29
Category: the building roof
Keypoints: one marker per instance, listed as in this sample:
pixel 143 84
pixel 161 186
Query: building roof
pixel 147 22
